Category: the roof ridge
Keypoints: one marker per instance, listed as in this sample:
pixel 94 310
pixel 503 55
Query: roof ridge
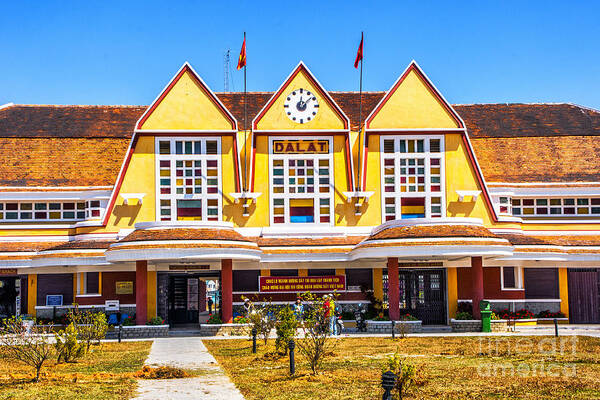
pixel 75 105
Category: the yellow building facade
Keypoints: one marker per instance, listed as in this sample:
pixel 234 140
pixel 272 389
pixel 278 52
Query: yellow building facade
pixel 381 197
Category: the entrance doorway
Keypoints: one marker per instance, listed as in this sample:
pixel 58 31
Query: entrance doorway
pixel 422 295
pixel 182 296
pixel 8 297
pixel 584 296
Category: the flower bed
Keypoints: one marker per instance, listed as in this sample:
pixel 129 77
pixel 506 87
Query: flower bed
pixel 400 326
pixel 224 329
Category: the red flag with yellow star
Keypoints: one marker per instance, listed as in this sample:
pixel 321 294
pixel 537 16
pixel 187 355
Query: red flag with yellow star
pixel 242 59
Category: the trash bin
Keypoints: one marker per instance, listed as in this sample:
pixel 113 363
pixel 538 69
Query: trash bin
pixel 486 315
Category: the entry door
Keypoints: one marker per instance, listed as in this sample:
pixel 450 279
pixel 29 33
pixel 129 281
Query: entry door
pixel 422 295
pixel 584 305
pixel 8 297
pixel 183 299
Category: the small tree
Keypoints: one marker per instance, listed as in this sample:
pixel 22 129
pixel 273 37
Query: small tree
pixel 316 342
pixel 91 326
pixel 286 327
pixel 261 318
pixel 32 348
pixel 405 373
pixel 67 346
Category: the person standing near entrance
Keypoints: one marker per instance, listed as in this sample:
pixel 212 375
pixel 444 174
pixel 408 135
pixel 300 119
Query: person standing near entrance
pixel 210 304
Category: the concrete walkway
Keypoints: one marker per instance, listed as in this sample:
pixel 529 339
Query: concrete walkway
pixel 187 353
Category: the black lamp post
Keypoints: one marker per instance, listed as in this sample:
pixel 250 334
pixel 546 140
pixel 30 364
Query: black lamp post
pixel 253 340
pixel 388 381
pixel 292 346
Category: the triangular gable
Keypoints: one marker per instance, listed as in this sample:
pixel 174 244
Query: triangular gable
pixel 187 103
pixel 413 102
pixel 273 117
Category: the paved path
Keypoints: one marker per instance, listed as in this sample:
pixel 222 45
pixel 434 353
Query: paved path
pixel 188 353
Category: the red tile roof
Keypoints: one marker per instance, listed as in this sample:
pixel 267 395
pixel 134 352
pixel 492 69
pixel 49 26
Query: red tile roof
pixel 48 145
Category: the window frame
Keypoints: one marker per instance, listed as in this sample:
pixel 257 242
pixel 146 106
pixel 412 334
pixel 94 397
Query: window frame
pixel 173 157
pixel 32 211
pixel 427 156
pixel 287 196
pixel 548 206
pixel 518 271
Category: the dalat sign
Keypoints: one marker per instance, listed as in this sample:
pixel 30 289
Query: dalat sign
pixel 269 284
pixel 300 146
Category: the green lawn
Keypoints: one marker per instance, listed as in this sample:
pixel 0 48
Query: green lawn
pixel 448 368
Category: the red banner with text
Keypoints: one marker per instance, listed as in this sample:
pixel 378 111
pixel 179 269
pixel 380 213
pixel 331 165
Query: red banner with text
pixel 271 284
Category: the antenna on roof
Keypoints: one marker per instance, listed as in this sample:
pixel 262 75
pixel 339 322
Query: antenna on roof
pixel 226 71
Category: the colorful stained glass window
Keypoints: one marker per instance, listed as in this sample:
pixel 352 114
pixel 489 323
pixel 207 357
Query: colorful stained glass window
pixel 301 187
pixel 412 177
pixel 189 179
pixel 41 211
pixel 555 207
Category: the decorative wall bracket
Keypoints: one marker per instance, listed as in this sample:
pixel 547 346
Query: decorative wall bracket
pixel 359 198
pixel 474 194
pixel 245 199
pixel 136 196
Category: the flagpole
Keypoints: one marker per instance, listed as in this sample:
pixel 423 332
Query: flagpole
pixel 360 115
pixel 245 184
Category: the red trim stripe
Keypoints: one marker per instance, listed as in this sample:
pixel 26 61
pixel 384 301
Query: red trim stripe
pixel 164 93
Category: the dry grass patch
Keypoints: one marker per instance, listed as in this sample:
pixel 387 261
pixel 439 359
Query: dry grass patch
pixel 106 372
pixel 447 368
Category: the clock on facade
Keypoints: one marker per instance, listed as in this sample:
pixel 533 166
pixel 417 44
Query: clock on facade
pixel 301 106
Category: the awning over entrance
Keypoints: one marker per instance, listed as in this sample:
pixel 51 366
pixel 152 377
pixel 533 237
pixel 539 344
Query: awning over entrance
pixel 439 238
pixel 172 241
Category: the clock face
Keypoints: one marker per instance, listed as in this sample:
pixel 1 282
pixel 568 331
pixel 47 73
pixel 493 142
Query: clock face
pixel 301 106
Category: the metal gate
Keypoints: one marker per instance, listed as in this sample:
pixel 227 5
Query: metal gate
pixel 584 301
pixel 422 295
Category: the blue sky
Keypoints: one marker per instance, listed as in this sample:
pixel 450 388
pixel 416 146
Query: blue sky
pixel 124 52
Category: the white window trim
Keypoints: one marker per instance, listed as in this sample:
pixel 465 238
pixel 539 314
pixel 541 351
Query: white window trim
pixel 518 278
pixel 175 157
pixel 287 196
pixel 589 206
pixel 427 156
pixel 4 211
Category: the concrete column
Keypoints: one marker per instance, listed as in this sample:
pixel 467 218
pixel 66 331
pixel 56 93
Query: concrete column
pixel 141 292
pixel 452 279
pixel 227 290
pixel 202 296
pixel 477 281
pixel 393 288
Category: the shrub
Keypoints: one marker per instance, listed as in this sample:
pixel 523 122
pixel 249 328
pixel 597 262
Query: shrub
pixel 286 326
pixel 465 306
pixel 91 326
pixel 262 319
pixel 129 321
pixel 463 315
pixel 408 317
pixel 240 320
pixel 381 317
pixel 316 342
pixel 68 347
pixel 494 317
pixel 520 314
pixel 156 321
pixel 404 372
pixel 550 314
pixel 32 348
pixel 214 319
